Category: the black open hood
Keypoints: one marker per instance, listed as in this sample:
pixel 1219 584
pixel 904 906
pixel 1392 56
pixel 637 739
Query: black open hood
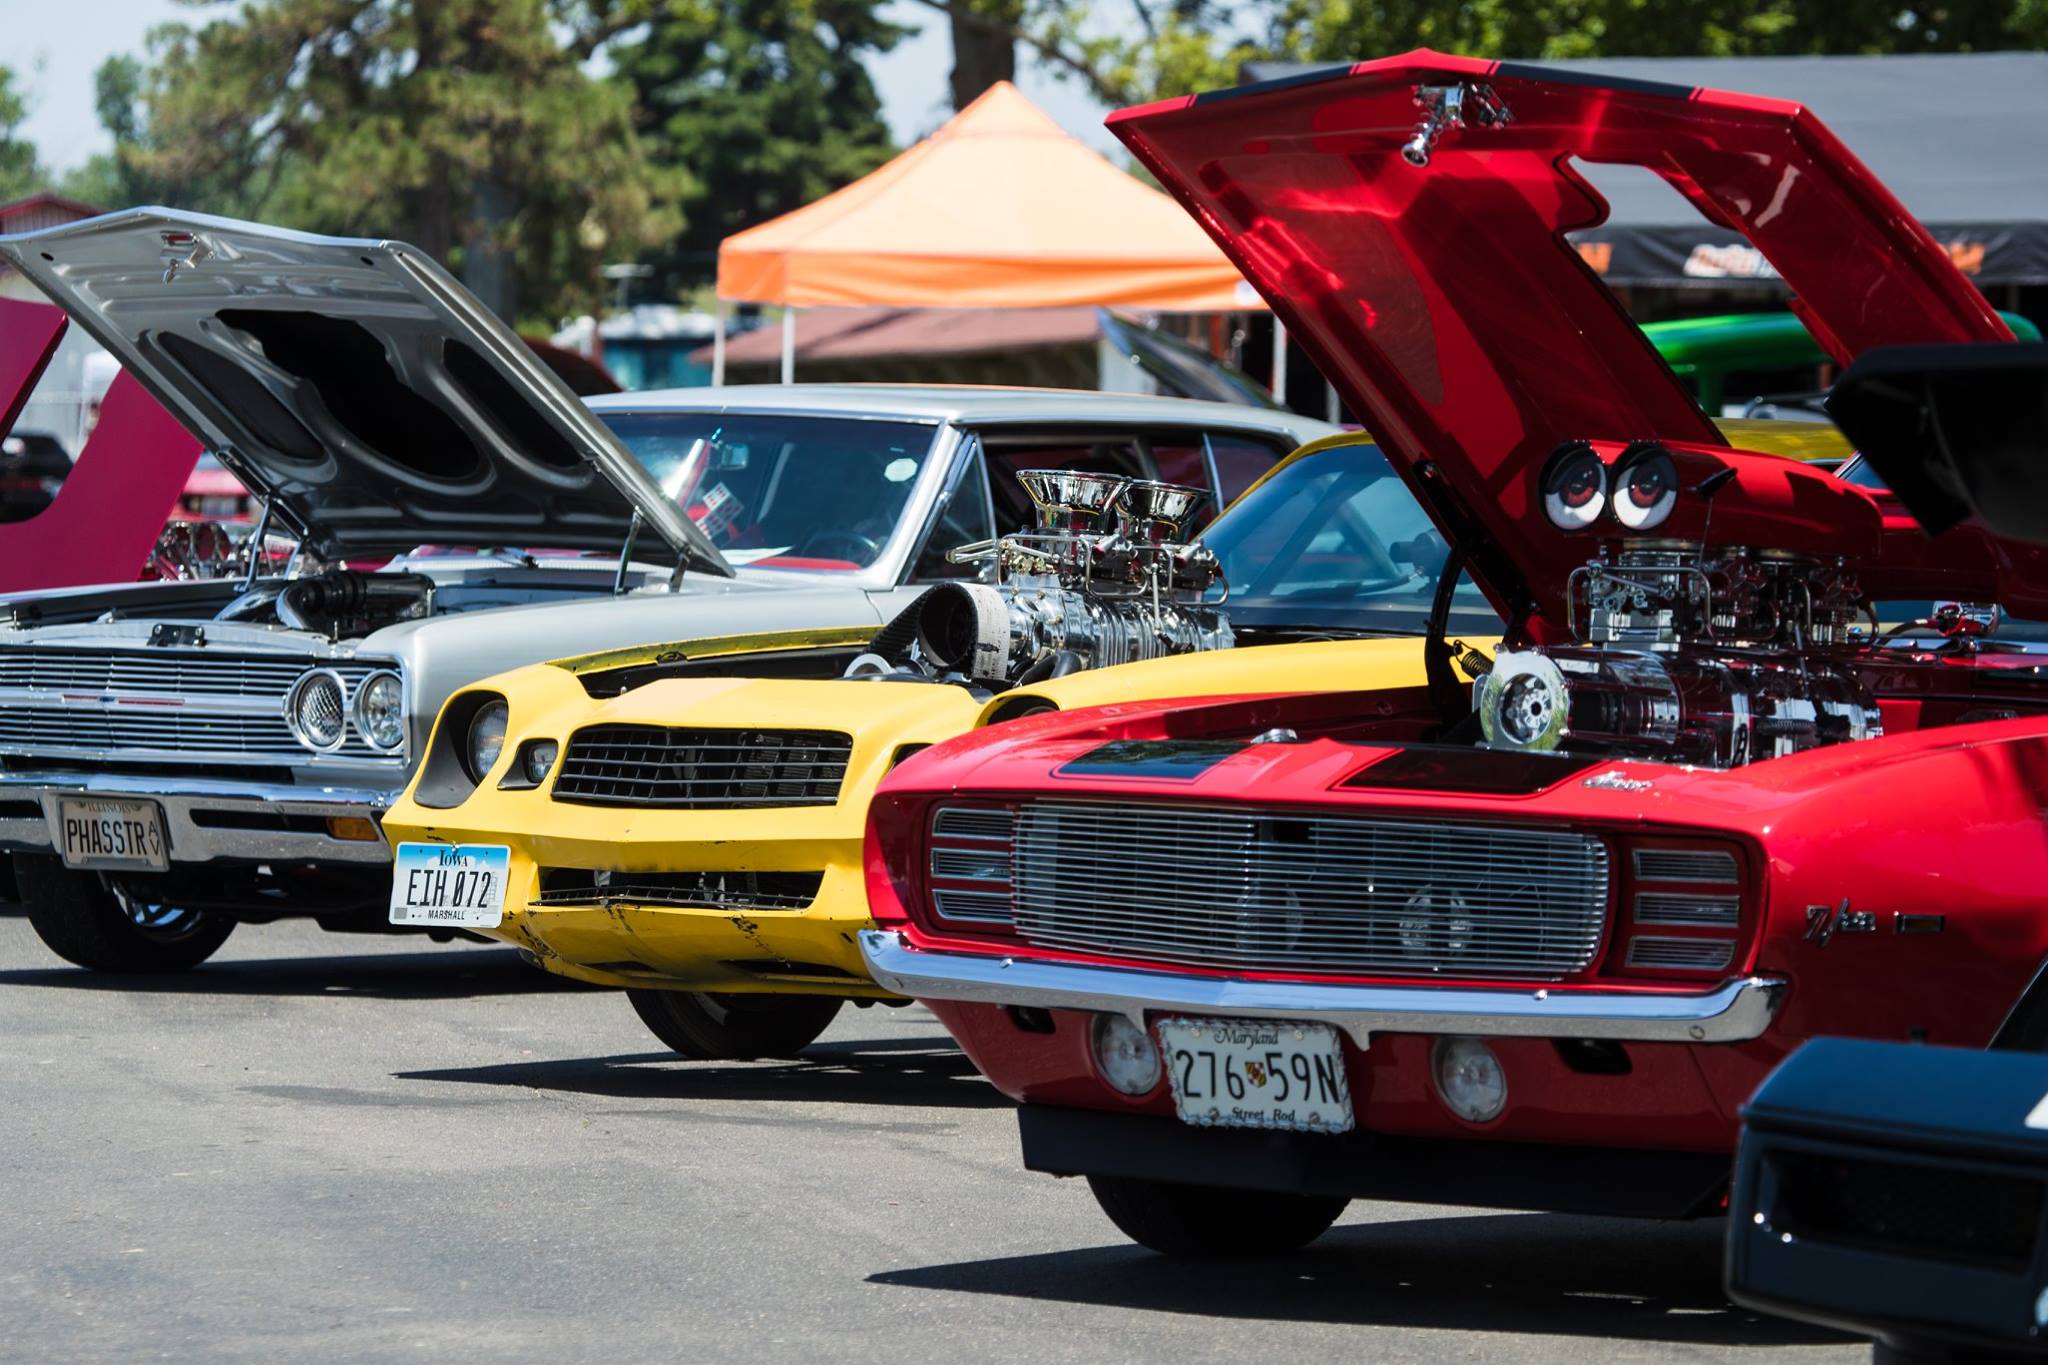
pixel 1954 431
pixel 367 396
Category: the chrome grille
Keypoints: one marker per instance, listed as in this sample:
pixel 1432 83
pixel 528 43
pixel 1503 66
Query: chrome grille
pixel 1685 865
pixel 1679 907
pixel 1231 888
pixel 111 704
pixel 679 769
pixel 1685 954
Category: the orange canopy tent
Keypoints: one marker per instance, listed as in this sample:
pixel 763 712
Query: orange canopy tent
pixel 999 208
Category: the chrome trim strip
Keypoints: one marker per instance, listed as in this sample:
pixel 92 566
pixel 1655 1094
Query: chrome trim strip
pixel 192 842
pixel 1731 1013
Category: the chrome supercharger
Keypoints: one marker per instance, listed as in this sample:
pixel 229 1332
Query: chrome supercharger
pixel 1104 577
pixel 1682 651
pixel 1689 655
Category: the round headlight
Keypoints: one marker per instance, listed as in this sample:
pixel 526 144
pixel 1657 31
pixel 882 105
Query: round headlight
pixel 1126 1055
pixel 317 709
pixel 540 756
pixel 1470 1079
pixel 486 738
pixel 1645 487
pixel 380 711
pixel 1574 487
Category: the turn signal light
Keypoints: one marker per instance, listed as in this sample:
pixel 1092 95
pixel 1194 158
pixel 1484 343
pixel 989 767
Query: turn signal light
pixel 1681 910
pixel 356 829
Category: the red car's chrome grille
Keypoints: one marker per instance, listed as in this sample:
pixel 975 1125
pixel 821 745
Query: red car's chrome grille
pixel 653 765
pixel 1231 888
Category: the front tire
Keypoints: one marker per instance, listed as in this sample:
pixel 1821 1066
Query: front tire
pixel 80 919
pixel 1201 1221
pixel 731 1028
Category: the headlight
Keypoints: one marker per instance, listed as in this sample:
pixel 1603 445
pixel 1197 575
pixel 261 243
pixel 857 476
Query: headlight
pixel 1574 487
pixel 486 739
pixel 1645 486
pixel 380 711
pixel 539 757
pixel 317 710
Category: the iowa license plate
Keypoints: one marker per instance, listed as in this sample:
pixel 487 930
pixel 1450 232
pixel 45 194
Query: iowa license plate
pixel 1252 1073
pixel 459 885
pixel 92 832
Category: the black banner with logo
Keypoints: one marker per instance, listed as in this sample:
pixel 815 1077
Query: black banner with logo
pixel 1709 257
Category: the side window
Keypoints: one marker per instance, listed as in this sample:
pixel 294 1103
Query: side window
pixel 963 519
pixel 1241 462
pixel 1013 505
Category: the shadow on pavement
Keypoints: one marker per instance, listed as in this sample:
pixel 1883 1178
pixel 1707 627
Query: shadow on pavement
pixel 1547 1274
pixel 905 1071
pixel 448 975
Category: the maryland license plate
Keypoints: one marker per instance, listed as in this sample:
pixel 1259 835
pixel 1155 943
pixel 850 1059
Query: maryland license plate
pixel 1252 1073
pixel 461 886
pixel 91 832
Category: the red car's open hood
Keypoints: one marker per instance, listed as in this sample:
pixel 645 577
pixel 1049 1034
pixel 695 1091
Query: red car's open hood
pixel 1446 305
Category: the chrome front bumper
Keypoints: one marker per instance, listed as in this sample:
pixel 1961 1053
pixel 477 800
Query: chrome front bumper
pixel 1731 1013
pixel 182 800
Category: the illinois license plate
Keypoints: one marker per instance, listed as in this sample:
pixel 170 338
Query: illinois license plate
pixel 1252 1073
pixel 461 886
pixel 92 832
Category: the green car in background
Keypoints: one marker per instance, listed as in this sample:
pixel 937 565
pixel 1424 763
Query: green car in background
pixel 1772 352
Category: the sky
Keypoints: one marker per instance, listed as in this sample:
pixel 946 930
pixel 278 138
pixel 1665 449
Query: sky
pixel 55 54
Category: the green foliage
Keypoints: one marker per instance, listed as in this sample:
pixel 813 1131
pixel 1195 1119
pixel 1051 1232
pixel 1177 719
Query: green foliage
pixel 1342 29
pixel 763 105
pixel 1173 47
pixel 472 127
pixel 20 172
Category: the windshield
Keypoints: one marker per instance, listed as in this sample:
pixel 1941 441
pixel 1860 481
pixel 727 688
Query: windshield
pixel 1334 541
pixel 821 494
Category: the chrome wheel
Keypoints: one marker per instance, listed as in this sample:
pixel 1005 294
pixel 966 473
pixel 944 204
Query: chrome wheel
pixel 157 921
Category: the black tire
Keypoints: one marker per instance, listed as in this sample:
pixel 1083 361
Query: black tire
pixel 80 919
pixel 1200 1221
pixel 731 1028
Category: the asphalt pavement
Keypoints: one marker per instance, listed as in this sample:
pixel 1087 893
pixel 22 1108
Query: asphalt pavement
pixel 337 1147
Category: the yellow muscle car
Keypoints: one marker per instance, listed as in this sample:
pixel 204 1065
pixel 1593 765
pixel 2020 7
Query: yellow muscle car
pixel 686 821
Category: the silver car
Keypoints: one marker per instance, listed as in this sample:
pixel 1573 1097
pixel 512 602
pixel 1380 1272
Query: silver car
pixel 179 757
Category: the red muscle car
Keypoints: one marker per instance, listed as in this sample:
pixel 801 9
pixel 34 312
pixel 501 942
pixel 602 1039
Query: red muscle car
pixel 1529 936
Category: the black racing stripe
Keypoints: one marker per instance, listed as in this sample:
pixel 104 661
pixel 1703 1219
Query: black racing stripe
pixel 1231 92
pixel 1479 772
pixel 1529 71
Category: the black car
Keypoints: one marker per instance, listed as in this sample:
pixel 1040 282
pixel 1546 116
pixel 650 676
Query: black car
pixel 1899 1191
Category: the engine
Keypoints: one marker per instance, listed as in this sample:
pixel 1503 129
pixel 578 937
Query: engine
pixel 1689 655
pixel 1104 577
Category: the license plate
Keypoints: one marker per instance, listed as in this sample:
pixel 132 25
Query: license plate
pixel 460 885
pixel 92 832
pixel 1249 1073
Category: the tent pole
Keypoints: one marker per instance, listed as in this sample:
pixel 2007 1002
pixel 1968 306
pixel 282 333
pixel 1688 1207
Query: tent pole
pixel 718 341
pixel 789 345
pixel 1279 360
pixel 1332 409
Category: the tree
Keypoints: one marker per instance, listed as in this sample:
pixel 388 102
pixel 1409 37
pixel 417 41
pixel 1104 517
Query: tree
pixel 20 172
pixel 1173 47
pixel 762 105
pixel 473 127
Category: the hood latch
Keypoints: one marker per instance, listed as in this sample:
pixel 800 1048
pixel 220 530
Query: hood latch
pixel 1467 103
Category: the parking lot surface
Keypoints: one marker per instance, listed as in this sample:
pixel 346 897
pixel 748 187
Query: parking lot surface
pixel 367 1148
